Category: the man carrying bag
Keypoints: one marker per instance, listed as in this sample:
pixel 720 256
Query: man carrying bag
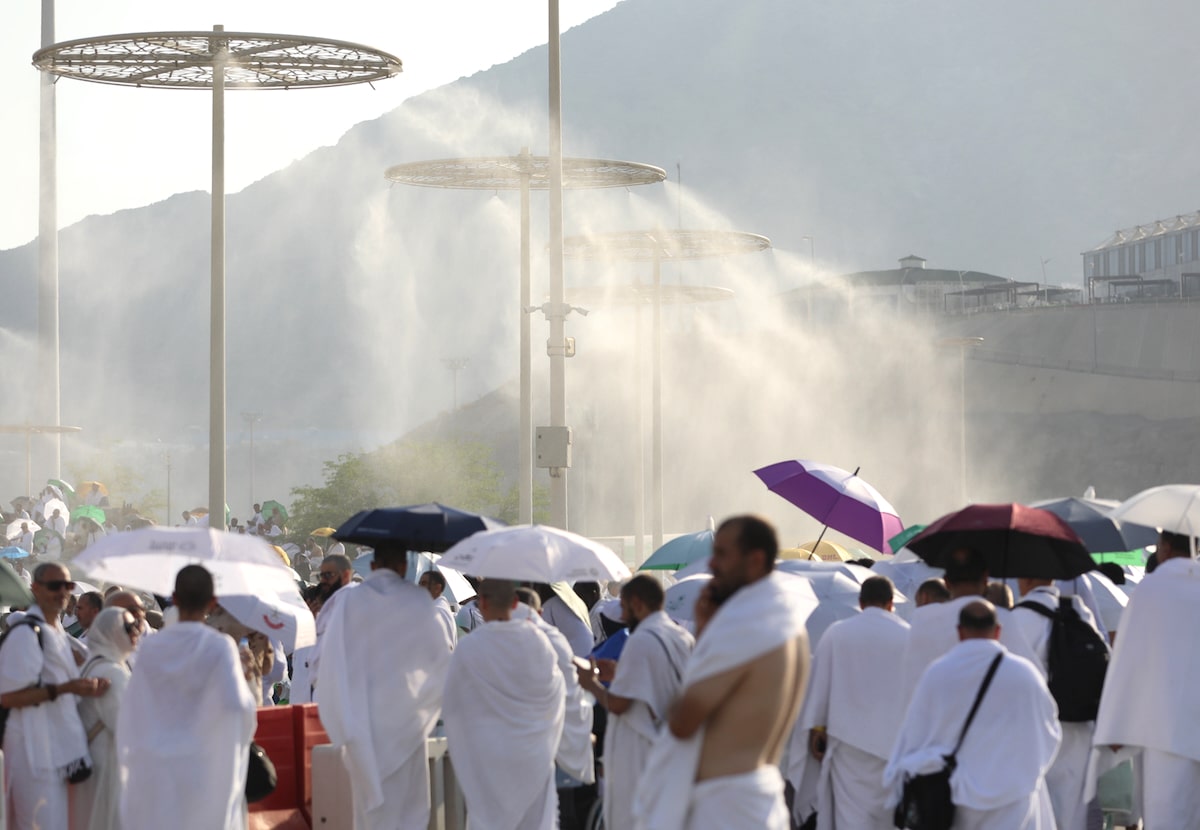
pixel 945 774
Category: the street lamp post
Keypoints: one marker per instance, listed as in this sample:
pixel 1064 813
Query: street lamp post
pixel 251 418
pixel 638 296
pixel 50 383
pixel 523 173
pixel 216 60
pixel 962 343
pixel 30 430
pixel 653 246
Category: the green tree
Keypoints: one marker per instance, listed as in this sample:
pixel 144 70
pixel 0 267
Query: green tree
pixel 461 474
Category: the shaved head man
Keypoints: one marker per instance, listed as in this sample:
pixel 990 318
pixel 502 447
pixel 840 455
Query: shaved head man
pixel 187 690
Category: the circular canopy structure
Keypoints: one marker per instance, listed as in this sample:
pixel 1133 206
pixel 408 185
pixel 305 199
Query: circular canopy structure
pixel 37 429
pixel 507 172
pixel 643 295
pixel 186 60
pixel 646 246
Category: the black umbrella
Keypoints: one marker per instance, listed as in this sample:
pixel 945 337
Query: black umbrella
pixel 1015 540
pixel 1096 529
pixel 423 527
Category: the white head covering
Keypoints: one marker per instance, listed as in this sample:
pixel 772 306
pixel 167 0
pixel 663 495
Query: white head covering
pixel 108 638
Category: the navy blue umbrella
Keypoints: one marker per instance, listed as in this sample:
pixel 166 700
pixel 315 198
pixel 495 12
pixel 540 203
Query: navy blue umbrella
pixel 1096 529
pixel 428 527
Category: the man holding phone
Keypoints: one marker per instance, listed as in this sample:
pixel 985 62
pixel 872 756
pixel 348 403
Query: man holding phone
pixel 644 683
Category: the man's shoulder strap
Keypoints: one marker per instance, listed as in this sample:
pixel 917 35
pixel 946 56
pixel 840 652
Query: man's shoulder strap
pixel 29 622
pixel 983 687
pixel 1038 608
pixel 676 670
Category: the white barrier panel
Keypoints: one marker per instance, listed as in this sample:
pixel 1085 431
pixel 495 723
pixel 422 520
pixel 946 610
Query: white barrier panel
pixel 333 806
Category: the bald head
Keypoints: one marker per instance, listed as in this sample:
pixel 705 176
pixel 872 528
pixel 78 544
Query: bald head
pixel 932 591
pixel 128 600
pixel 977 621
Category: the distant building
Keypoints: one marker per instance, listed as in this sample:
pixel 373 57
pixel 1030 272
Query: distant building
pixel 914 288
pixel 1161 259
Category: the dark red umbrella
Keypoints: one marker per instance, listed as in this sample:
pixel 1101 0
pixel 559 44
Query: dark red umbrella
pixel 1014 539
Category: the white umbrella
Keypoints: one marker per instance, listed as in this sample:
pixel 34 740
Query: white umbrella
pixel 1174 508
pixel 679 601
pixel 282 616
pixel 56 504
pixel 151 557
pixel 907 575
pixel 82 588
pixel 456 584
pixel 1110 599
pixel 534 553
pixel 14 528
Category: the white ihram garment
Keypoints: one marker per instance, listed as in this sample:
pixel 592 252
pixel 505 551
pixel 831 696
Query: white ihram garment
pixel 574 754
pixel 1150 693
pixel 41 741
pixel 1007 750
pixel 571 621
pixel 934 631
pixel 445 616
pixel 1066 777
pixel 386 632
pixel 853 658
pixel 184 731
pixel 503 713
pixel 649 673
pixel 757 619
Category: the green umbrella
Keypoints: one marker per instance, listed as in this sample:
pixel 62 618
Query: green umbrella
pixel 67 490
pixel 901 539
pixel 1128 557
pixel 13 590
pixel 88 511
pixel 269 508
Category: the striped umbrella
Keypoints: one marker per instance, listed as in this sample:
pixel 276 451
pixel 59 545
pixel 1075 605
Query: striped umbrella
pixel 837 499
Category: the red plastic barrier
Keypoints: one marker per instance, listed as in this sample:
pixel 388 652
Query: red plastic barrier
pixel 308 733
pixel 277 736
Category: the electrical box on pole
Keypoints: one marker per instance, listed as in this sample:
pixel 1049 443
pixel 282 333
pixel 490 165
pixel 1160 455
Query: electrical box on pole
pixel 552 447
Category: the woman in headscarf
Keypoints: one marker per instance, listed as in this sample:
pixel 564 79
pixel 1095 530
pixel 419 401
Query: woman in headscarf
pixel 111 639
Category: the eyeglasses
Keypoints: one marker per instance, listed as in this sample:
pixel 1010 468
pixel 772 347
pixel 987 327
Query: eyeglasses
pixel 327 575
pixel 56 585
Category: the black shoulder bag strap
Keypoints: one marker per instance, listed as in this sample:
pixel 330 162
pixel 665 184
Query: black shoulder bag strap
pixel 1038 608
pixel 987 681
pixel 674 669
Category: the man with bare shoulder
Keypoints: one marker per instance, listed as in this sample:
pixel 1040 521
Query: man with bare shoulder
pixel 716 765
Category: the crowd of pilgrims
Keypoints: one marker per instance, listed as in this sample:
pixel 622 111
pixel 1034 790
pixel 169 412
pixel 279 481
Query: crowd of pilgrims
pixel 126 710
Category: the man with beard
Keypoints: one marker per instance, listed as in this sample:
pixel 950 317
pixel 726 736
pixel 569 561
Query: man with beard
pixel 716 766
pixel 644 682
pixel 44 739
pixel 335 577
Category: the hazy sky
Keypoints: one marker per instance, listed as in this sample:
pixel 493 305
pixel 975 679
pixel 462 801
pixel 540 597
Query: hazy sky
pixel 122 147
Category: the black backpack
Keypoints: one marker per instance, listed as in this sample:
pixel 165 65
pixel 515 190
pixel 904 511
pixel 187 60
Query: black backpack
pixel 37 629
pixel 1077 660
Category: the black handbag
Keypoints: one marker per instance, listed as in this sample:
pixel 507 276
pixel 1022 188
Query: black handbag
pixel 261 778
pixel 925 803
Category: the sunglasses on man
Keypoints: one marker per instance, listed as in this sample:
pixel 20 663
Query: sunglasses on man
pixel 324 575
pixel 56 585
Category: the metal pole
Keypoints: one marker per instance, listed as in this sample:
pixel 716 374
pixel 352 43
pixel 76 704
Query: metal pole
pixel 963 411
pixel 29 463
pixel 216 364
pixel 639 430
pixel 252 460
pixel 557 310
pixel 168 523
pixel 656 450
pixel 525 440
pixel 48 324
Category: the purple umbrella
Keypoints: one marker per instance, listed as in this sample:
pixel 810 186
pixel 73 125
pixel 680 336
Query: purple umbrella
pixel 836 498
